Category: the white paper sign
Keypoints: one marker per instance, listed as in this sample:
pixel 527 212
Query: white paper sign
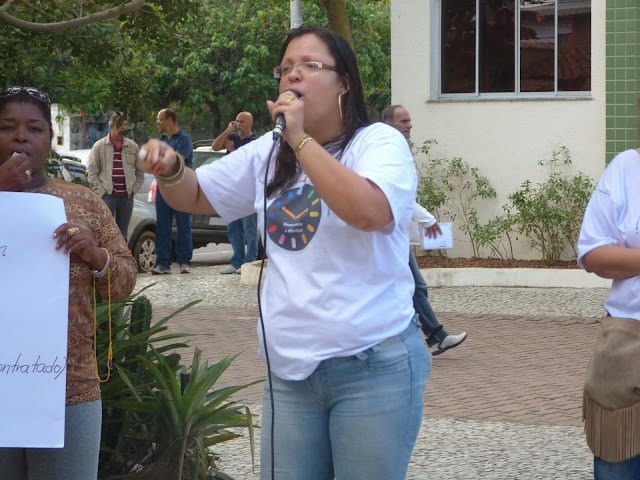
pixel 444 241
pixel 34 302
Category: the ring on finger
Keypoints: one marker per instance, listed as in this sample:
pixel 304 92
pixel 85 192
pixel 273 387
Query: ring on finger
pixel 27 172
pixel 289 98
pixel 73 231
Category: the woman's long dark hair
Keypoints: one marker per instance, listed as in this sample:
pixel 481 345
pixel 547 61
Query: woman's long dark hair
pixel 355 109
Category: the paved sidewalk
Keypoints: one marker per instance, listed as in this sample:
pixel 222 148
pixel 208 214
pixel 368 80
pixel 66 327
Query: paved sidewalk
pixel 504 405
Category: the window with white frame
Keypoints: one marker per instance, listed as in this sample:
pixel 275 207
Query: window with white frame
pixel 515 47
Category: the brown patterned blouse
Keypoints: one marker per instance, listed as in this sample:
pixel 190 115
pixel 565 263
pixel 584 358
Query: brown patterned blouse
pixel 85 209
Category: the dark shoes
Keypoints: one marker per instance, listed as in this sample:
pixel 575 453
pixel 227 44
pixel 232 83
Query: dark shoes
pixel 450 341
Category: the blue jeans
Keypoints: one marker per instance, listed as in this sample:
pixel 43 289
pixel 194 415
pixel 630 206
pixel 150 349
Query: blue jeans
pixel 355 418
pixel 626 470
pixel 434 332
pixel 241 231
pixel 121 209
pixel 164 222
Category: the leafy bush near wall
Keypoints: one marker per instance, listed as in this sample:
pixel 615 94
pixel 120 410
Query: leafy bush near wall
pixel 452 187
pixel 548 214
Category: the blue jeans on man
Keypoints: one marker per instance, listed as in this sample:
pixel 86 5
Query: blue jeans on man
pixel 184 244
pixel 432 329
pixel 241 231
pixel 121 209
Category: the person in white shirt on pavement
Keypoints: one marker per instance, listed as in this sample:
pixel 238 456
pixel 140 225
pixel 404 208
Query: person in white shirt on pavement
pixel 333 192
pixel 438 340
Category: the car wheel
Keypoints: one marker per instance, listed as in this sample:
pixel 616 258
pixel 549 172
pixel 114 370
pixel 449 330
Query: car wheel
pixel 144 251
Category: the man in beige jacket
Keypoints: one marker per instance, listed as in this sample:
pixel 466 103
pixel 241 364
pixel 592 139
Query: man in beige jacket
pixel 113 171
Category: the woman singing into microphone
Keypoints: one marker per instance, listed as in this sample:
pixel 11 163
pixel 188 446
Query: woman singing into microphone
pixel 348 366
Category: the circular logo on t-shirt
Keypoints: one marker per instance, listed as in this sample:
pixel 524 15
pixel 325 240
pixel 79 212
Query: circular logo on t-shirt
pixel 293 217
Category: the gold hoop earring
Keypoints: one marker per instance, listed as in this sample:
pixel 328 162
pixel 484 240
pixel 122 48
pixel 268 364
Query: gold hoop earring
pixel 340 106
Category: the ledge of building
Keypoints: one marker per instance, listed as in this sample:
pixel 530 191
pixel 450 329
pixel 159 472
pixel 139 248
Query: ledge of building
pixel 484 277
pixel 513 277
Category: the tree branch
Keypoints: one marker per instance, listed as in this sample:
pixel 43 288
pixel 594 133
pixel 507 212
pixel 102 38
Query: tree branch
pixel 6 5
pixel 123 9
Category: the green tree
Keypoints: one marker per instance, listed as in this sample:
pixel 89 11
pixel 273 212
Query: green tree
pixel 207 58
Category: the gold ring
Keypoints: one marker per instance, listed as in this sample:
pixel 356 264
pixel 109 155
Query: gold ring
pixel 290 97
pixel 73 231
pixel 27 173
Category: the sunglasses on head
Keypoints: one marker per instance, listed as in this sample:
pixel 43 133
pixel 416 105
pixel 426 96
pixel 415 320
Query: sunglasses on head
pixel 32 92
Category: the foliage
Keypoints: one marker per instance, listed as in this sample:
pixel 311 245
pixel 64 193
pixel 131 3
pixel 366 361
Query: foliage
pixel 63 15
pixel 450 188
pixel 550 213
pixel 154 426
pixel 209 59
pixel 496 235
pixel 431 191
pixel 371 25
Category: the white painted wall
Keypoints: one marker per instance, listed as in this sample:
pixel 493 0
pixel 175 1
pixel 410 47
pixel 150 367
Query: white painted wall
pixel 505 139
pixel 61 128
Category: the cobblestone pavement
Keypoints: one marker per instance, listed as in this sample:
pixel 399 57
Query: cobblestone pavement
pixel 504 405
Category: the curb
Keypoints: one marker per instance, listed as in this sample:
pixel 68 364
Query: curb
pixel 484 277
pixel 513 277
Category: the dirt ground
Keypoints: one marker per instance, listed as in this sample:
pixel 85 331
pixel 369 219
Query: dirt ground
pixel 436 261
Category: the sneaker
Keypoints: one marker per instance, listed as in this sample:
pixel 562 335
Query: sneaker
pixel 185 268
pixel 229 269
pixel 239 270
pixel 158 270
pixel 450 341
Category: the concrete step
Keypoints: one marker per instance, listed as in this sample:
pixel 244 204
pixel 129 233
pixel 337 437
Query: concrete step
pixel 484 277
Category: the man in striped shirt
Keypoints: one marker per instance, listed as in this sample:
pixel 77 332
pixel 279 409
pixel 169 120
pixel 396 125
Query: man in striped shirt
pixel 114 173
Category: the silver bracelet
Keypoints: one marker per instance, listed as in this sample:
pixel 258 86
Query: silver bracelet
pixel 105 269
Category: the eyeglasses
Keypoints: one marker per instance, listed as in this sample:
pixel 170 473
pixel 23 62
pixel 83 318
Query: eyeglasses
pixel 306 67
pixel 33 92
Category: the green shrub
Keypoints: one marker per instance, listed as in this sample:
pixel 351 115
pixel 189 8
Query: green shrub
pixel 155 426
pixel 550 213
pixel 450 188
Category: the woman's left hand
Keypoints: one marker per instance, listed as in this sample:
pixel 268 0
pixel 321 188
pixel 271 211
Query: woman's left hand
pixel 79 242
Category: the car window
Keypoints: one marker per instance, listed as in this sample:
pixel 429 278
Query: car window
pixel 203 158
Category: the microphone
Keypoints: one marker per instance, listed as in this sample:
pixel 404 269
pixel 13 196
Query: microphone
pixel 280 123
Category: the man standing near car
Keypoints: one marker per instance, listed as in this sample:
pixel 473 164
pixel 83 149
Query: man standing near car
pixel 181 143
pixel 113 171
pixel 243 230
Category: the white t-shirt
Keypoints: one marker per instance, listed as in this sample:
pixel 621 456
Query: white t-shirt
pixel 330 290
pixel 613 218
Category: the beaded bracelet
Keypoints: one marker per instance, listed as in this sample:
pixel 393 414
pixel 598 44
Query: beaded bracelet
pixel 305 139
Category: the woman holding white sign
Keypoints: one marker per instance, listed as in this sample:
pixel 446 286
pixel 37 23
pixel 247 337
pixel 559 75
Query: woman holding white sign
pixel 99 258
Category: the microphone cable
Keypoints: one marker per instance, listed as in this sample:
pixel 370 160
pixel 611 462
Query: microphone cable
pixel 265 238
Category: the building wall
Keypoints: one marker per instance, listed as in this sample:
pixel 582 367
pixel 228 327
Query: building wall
pixel 504 138
pixel 61 128
pixel 77 131
pixel 622 75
